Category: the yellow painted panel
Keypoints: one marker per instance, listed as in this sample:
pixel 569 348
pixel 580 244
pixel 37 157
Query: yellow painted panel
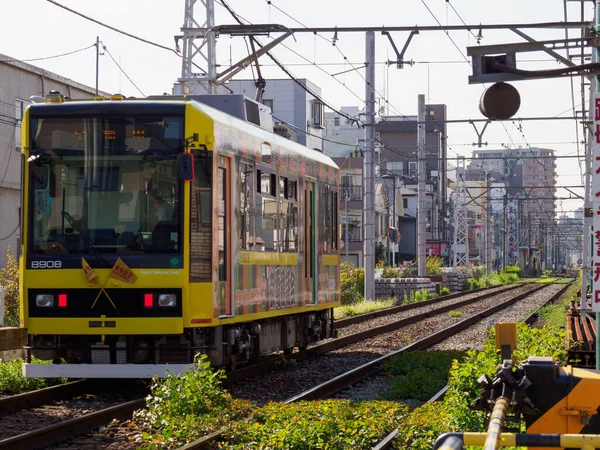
pixel 76 279
pixel 331 260
pixel 123 325
pixel 201 305
pixel 269 258
pixel 583 396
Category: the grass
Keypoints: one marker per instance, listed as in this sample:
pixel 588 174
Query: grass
pixel 554 315
pixel 432 367
pixel 13 382
pixel 362 307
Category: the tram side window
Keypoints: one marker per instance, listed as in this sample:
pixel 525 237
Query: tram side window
pixel 202 188
pixel 266 212
pixel 288 213
pixel 334 220
pixel 325 212
pixel 246 206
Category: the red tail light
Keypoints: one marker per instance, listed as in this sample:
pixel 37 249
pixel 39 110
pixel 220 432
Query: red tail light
pixel 148 300
pixel 62 300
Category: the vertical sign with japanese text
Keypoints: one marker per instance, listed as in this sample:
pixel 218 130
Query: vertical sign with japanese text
pixel 596 206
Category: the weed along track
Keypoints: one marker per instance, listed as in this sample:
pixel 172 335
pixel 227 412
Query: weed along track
pixel 330 376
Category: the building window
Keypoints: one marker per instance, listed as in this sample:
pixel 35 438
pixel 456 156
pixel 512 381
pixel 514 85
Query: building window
pixel 405 203
pixel 317 114
pixel 412 169
pixel 336 121
pixel 395 168
pixel 268 103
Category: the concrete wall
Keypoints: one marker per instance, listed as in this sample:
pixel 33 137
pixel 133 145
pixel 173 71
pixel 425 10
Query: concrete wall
pixel 397 287
pixel 19 82
pixel 12 341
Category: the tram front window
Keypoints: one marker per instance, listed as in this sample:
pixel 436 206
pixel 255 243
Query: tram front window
pixel 105 186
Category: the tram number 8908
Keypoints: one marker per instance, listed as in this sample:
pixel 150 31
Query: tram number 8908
pixel 46 264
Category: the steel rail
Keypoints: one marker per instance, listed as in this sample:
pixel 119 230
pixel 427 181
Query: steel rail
pixel 340 323
pixel 340 382
pixel 344 380
pixel 45 395
pixel 69 428
pixel 334 344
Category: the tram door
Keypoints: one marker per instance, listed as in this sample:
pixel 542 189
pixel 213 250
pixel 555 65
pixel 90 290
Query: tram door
pixel 224 237
pixel 310 253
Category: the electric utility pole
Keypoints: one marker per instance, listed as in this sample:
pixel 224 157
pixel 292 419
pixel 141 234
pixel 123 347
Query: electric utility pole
pixel 369 169
pixel 421 174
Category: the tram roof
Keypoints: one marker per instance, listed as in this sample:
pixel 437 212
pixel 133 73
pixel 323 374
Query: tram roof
pixel 126 106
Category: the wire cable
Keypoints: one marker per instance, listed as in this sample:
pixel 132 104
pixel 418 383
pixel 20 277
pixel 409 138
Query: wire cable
pixel 47 57
pixel 121 69
pixel 113 28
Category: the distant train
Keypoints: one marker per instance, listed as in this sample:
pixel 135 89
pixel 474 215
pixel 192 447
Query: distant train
pixel 157 229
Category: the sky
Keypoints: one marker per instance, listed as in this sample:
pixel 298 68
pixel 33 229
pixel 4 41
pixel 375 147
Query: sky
pixel 39 29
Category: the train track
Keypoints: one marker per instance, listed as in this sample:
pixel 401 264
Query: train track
pixel 38 409
pixel 343 381
pixel 85 423
pixel 415 316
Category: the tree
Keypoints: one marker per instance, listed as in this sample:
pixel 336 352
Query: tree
pixel 9 281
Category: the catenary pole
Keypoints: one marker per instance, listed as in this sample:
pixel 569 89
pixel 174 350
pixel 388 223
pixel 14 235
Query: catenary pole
pixel 369 169
pixel 421 210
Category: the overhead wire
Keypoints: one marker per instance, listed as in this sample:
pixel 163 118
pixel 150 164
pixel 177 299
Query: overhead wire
pixel 121 69
pixel 47 57
pixel 287 72
pixel 133 36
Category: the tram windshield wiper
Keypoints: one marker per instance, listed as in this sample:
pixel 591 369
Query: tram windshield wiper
pixel 85 237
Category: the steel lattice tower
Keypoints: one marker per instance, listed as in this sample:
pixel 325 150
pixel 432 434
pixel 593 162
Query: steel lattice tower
pixel 199 43
pixel 461 232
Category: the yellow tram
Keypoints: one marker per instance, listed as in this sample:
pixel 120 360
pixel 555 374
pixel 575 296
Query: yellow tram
pixel 160 228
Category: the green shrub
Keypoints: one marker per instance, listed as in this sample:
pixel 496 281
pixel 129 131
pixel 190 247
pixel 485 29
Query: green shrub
pixel 352 283
pixel 9 281
pixel 444 291
pixel 455 314
pixel 390 272
pixel 13 382
pixel 362 307
pixel 181 408
pixel 417 296
pixel 513 269
pixel 324 424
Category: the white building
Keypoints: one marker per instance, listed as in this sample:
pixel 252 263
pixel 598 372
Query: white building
pixel 290 104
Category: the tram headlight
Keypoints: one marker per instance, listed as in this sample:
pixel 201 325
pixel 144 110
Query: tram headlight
pixel 167 300
pixel 44 300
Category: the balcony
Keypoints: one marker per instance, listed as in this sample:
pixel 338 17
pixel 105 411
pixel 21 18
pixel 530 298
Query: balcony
pixel 354 192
